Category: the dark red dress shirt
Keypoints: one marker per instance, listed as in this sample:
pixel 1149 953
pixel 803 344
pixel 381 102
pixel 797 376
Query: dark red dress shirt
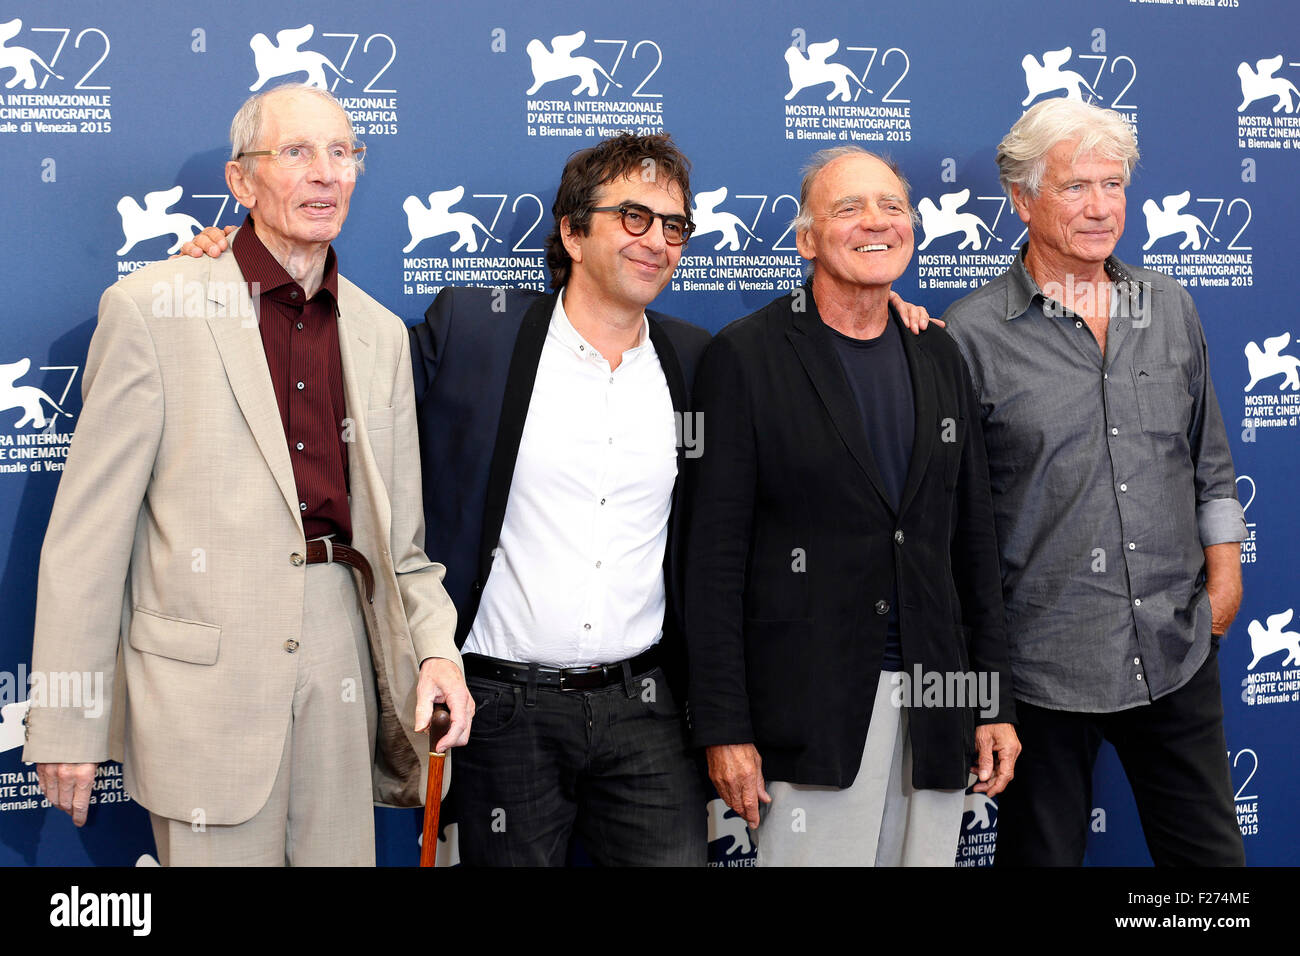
pixel 301 341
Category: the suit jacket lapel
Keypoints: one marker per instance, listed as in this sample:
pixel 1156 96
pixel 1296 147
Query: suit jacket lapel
pixel 234 326
pixel 927 410
pixel 357 355
pixel 672 369
pixel 812 344
pixel 510 427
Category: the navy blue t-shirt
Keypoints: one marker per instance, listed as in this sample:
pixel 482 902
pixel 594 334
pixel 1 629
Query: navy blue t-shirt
pixel 882 384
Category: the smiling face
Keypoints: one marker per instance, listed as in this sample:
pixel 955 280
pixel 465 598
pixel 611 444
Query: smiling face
pixel 622 271
pixel 1078 214
pixel 296 210
pixel 861 236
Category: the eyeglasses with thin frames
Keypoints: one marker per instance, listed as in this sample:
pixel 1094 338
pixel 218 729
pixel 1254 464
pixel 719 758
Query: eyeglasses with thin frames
pixel 299 155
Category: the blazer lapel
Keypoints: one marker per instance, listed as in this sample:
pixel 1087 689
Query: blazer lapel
pixel 921 368
pixel 234 326
pixel 357 356
pixel 812 344
pixel 672 369
pixel 510 427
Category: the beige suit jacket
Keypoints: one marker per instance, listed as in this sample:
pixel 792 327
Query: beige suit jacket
pixel 172 559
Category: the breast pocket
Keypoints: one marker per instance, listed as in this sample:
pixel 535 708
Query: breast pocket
pixel 377 419
pixel 1164 404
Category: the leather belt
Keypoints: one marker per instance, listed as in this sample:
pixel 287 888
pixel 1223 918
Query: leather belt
pixel 326 551
pixel 562 678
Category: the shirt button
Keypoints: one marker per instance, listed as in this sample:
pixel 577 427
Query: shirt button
pixel 1078 325
pixel 1139 676
pixel 1137 660
pixel 302 506
pixel 1123 486
pixel 299 446
pixel 291 645
pixel 898 537
pixel 611 380
pixel 293 295
pixel 1113 431
pixel 1137 602
pixel 882 607
pixel 602 501
pixel 582 348
pixel 597 564
pixel 301 386
pixel 1105 376
pixel 299 325
pixel 586 627
pixel 1132 546
pixel 296 559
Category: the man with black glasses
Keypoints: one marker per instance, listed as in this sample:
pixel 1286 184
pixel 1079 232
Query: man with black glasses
pixel 547 428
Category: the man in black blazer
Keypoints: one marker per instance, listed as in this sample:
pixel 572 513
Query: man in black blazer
pixel 553 429
pixel 843 603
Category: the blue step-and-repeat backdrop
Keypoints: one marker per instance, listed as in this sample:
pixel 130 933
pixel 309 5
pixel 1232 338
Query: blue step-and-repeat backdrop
pixel 113 126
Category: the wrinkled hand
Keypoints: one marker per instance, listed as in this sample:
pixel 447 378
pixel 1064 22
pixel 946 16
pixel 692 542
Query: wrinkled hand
pixel 1224 602
pixel 1223 584
pixel 210 242
pixel 441 682
pixel 915 317
pixel 737 772
pixel 994 775
pixel 68 786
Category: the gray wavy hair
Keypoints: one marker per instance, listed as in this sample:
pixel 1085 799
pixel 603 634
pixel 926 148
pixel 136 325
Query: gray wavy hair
pixel 1022 154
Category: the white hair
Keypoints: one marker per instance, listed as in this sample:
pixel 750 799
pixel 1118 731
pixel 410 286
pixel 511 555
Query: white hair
pixel 1022 154
pixel 246 127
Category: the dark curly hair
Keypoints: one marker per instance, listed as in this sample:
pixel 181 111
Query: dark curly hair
pixel 589 169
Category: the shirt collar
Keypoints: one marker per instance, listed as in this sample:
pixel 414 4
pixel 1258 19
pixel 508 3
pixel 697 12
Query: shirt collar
pixel 569 337
pixel 264 273
pixel 1023 291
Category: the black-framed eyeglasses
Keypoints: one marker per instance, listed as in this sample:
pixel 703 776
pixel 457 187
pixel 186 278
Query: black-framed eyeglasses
pixel 637 220
pixel 299 155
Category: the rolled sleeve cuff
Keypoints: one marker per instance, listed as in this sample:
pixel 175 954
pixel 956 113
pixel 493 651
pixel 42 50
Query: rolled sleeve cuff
pixel 1221 521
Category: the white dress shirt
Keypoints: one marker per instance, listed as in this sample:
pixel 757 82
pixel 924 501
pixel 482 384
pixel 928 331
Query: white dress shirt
pixel 577 575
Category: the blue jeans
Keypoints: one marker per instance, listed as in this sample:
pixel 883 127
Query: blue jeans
pixel 611 766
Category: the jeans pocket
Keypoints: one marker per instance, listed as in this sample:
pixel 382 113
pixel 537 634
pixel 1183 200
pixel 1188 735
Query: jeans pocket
pixel 496 707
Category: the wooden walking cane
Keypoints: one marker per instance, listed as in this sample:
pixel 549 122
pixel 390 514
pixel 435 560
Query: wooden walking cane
pixel 439 722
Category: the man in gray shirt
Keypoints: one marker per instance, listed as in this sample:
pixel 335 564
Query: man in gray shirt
pixel 1115 502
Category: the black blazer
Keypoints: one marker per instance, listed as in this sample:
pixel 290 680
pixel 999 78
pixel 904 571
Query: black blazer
pixel 793 548
pixel 475 360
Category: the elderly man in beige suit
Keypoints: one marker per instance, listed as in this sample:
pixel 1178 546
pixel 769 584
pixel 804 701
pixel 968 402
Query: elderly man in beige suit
pixel 266 684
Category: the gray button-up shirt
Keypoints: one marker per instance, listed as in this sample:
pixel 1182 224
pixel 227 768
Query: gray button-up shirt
pixel 1110 475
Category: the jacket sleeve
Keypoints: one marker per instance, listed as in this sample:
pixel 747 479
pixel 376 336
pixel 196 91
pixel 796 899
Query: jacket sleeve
pixel 428 342
pixel 87 550
pixel 429 609
pixel 721 493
